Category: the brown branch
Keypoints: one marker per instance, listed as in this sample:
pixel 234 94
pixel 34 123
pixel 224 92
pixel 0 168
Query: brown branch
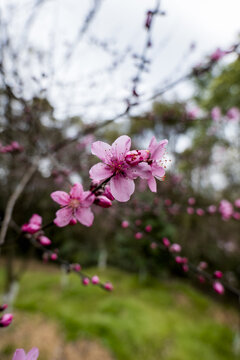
pixel 12 201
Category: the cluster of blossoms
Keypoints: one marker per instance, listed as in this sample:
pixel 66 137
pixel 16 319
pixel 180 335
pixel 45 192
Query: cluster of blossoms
pixel 120 166
pixel 6 319
pixel 175 249
pixel 34 226
pixel 13 147
pixel 233 114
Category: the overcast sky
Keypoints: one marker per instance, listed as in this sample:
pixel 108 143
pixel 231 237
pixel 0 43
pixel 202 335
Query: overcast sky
pixel 80 85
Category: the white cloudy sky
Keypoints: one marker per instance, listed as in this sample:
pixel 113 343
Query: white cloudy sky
pixel 81 86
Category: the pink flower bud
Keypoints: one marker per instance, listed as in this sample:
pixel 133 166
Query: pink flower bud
pixel 95 280
pixel 73 221
pixel 236 215
pixel 148 228
pixel 178 259
pixel 184 260
pixel 103 201
pixel 190 210
pixel 6 320
pixel 166 242
pixel 233 114
pixel 201 279
pixel 85 281
pixel 218 274
pixel 54 256
pixel 108 286
pixel 212 209
pixel 218 287
pixel 107 193
pixel 191 201
pixel 44 240
pixel 3 307
pixel 175 248
pixel 167 202
pixel 185 267
pixel 202 265
pixel 237 203
pixel 134 157
pixel 125 224
pixel 77 267
pixel 138 235
pixel 200 212
pixel 154 245
pixel 217 55
pixel 30 228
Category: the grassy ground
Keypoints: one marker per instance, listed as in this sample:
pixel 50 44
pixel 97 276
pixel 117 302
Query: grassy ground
pixel 167 321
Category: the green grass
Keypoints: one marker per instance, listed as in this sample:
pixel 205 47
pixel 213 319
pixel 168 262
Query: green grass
pixel 167 321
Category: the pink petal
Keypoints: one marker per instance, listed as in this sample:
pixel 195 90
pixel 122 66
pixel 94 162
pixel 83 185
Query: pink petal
pixel 33 354
pixel 121 146
pixel 157 149
pixel 100 171
pixel 144 170
pixel 19 355
pixel 84 216
pixel 152 184
pixel 63 217
pixel 87 199
pixel 76 191
pixel 36 219
pixel 102 150
pixel 122 188
pixel 60 197
pixel 158 170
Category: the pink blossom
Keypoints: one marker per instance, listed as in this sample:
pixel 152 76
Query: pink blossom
pixel 54 256
pixel 85 281
pixel 233 114
pixel 95 280
pixel 218 287
pixel 33 225
pixel 200 212
pixel 175 248
pixel 157 151
pixel 107 193
pixel 185 267
pixel 178 259
pixel 138 235
pixel 212 209
pixel 125 224
pixel 191 201
pixel 237 203
pixel 201 279
pixel 190 210
pixel 75 205
pixel 167 202
pixel 148 228
pixel 218 274
pixel 134 157
pixel 166 242
pixel 21 355
pixel 6 320
pixel 226 209
pixel 217 54
pixel 76 267
pixel 44 240
pixel 108 286
pixel 115 166
pixel 202 265
pixel 216 113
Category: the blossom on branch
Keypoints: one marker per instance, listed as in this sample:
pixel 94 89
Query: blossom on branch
pixel 33 225
pixel 75 205
pixel 21 355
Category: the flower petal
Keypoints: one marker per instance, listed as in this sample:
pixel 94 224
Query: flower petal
pixel 36 219
pixel 76 191
pixel 143 170
pixel 100 171
pixel 122 187
pixel 19 355
pixel 102 150
pixel 121 146
pixel 33 354
pixel 157 170
pixel 84 216
pixel 152 184
pixel 87 199
pixel 63 217
pixel 157 149
pixel 60 197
